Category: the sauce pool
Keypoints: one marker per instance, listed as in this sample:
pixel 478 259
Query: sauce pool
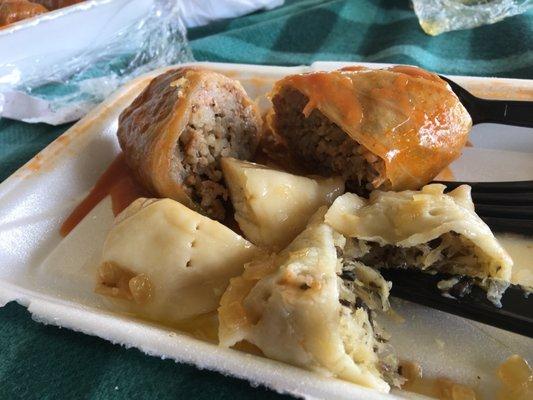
pixel 118 182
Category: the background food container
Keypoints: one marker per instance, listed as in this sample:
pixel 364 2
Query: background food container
pixel 56 66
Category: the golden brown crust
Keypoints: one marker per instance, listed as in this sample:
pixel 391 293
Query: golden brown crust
pixel 150 127
pixel 407 117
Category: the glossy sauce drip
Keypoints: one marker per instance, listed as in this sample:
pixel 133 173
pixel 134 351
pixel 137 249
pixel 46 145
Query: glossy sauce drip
pixel 423 122
pixel 338 90
pixel 118 182
pixel 329 90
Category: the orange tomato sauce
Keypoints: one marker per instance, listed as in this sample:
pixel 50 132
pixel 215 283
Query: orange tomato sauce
pixel 118 182
pixel 416 145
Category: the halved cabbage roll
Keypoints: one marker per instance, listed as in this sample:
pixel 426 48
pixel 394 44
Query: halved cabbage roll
pixel 167 263
pixel 424 229
pixel 392 129
pixel 272 207
pixel 175 132
pixel 296 307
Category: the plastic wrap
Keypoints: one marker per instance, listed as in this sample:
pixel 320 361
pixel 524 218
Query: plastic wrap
pixel 438 16
pixel 115 41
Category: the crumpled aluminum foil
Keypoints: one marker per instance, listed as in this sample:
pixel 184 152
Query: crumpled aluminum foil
pixel 438 16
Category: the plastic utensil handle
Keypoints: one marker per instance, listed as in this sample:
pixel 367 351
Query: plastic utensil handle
pixel 518 113
pixel 516 314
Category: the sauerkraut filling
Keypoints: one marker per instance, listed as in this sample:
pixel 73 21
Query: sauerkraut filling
pixel 309 307
pixel 450 253
pixel 362 293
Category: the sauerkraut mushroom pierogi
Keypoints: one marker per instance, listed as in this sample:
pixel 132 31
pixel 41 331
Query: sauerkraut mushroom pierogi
pixel 287 261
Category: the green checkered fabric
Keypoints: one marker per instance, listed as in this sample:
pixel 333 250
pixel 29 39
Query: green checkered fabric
pixel 44 362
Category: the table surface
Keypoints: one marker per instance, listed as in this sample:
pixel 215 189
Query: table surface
pixel 46 362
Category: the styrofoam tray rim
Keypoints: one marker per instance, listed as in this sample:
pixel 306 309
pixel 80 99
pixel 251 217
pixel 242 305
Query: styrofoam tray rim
pixel 183 348
pixel 68 314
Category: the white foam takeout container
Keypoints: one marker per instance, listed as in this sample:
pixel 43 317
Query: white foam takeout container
pixel 64 42
pixel 54 276
pixel 88 24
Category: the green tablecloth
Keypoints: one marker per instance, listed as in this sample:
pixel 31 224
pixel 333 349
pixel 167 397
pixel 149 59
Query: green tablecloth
pixel 38 362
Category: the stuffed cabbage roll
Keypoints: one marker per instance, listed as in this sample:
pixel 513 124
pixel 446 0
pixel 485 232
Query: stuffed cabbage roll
pixel 392 129
pixel 272 207
pixel 426 229
pixel 175 132
pixel 167 263
pixel 298 307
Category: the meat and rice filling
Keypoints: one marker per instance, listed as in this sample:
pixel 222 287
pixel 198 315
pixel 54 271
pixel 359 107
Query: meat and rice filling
pixel 220 125
pixel 177 129
pixel 323 145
